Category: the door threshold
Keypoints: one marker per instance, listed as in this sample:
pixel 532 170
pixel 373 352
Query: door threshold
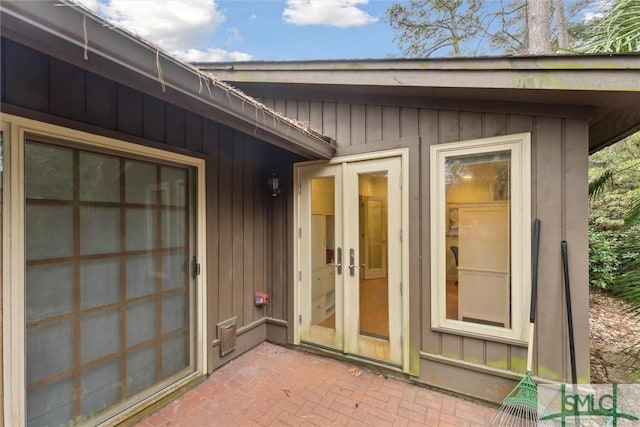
pixel 374 365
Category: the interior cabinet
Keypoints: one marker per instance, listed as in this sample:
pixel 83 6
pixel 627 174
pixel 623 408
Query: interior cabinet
pixel 323 293
pixel 322 264
pixel 484 264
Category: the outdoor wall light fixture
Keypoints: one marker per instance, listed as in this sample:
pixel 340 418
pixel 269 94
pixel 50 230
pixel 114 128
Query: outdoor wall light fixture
pixel 274 184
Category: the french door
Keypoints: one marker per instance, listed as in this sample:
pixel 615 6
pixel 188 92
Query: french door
pixel 350 257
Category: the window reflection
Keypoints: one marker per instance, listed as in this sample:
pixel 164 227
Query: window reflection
pixel 323 252
pixel 478 261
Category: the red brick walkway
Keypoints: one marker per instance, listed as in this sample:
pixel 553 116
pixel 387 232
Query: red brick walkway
pixel 275 386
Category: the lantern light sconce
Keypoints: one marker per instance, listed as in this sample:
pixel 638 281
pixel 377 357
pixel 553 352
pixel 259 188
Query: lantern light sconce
pixel 274 183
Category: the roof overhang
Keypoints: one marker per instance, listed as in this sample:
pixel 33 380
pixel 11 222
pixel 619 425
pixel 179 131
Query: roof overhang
pixel 603 89
pixel 71 33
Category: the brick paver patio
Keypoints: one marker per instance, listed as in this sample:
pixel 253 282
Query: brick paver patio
pixel 275 386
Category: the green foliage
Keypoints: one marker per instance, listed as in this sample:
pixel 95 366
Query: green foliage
pixel 613 218
pixel 628 283
pixel 617 31
pixel 633 216
pixel 599 184
pixel 603 261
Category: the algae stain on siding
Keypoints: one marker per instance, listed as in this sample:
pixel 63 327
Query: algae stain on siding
pixel 549 373
pixel 474 359
pixel 451 355
pixel 414 360
pixel 350 66
pixel 501 363
pixel 577 65
pixel 518 364
pixel 242 77
pixel 546 80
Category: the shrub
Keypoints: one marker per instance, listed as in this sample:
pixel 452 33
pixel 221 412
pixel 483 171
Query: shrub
pixel 603 260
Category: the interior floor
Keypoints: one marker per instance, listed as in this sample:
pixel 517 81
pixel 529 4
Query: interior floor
pixel 374 309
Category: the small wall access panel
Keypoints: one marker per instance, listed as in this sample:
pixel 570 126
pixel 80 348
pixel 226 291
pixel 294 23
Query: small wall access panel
pixel 227 336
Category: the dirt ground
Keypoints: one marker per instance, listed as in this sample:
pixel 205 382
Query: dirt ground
pixel 613 334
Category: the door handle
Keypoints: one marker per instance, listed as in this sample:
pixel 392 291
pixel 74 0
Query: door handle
pixel 352 259
pixel 339 261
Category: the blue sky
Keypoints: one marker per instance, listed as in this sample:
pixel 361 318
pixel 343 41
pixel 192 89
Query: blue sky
pixel 264 30
pixel 231 30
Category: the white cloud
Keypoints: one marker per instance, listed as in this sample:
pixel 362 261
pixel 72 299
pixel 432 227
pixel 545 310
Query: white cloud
pixel 182 27
pixel 337 13
pixel 253 17
pixel 212 55
pixel 596 10
pixel 234 35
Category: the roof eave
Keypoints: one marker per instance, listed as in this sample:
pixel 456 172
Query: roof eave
pixel 59 30
pixel 591 79
pixel 604 89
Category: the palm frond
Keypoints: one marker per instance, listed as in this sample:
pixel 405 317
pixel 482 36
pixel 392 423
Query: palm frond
pixel 600 183
pixel 628 288
pixel 628 284
pixel 633 216
pixel 617 31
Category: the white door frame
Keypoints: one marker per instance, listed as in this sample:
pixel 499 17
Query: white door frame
pixel 403 154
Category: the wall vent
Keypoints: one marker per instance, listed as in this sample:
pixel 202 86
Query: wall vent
pixel 227 336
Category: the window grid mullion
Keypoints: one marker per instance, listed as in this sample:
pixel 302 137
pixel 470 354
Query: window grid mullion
pixel 159 268
pixel 123 281
pixel 77 318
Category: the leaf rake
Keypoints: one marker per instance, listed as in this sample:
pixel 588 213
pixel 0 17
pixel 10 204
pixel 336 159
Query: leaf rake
pixel 520 408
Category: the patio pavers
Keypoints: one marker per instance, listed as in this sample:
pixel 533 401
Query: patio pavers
pixel 272 385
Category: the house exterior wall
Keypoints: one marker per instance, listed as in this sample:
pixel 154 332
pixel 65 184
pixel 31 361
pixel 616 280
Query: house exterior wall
pixel 249 233
pixel 248 230
pixel 480 367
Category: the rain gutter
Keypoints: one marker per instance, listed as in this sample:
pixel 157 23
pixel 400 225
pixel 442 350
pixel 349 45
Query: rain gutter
pixel 70 32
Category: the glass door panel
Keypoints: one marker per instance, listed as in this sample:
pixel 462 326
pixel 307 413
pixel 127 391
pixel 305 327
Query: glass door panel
pixel 320 293
pixel 108 289
pixel 350 257
pixel 374 283
pixel 372 286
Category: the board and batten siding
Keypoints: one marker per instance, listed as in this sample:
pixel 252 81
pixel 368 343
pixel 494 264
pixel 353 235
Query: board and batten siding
pixel 559 198
pixel 248 230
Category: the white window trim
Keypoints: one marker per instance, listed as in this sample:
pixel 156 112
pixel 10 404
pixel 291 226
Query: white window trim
pixel 520 147
pixel 13 277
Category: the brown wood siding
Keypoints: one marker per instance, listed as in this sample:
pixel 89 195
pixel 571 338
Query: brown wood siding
pixel 130 107
pixel 101 101
pixel 67 98
pixel 559 173
pixel 248 230
pixel 26 78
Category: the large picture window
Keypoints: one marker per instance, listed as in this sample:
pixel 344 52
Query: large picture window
pixel 480 235
pixel 110 313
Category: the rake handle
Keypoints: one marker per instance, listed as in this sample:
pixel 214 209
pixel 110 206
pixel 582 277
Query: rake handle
pixel 567 290
pixel 534 270
pixel 534 291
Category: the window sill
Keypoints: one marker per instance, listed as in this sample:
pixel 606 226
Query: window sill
pixel 481 336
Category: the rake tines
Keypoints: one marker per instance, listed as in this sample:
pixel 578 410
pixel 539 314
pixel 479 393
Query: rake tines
pixel 520 408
